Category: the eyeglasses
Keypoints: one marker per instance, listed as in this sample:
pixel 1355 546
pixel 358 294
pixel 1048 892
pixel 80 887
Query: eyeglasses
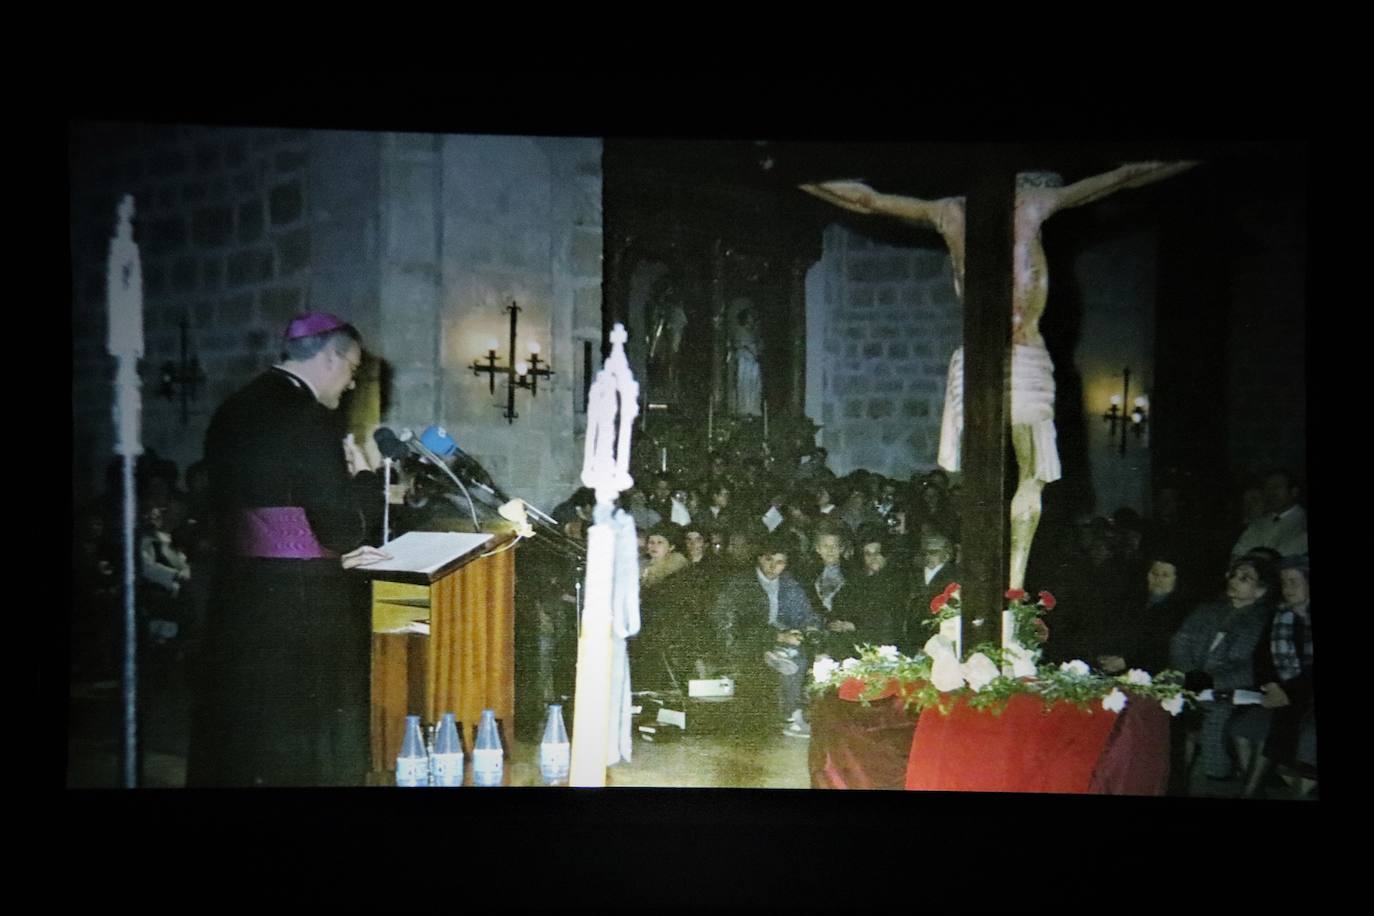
pixel 352 369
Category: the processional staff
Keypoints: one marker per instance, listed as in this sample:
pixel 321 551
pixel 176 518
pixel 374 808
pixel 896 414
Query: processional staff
pixel 611 608
pixel 124 294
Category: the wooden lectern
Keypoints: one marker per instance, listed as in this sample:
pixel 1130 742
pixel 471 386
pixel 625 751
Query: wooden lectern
pixel 443 640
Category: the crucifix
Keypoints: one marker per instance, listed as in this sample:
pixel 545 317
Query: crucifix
pixel 996 226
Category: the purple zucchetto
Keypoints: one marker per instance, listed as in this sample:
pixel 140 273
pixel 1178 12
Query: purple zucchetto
pixel 312 323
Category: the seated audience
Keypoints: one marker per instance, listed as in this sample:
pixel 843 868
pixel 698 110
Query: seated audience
pixel 1283 729
pixel 661 605
pixel 825 573
pixel 932 572
pixel 761 619
pixel 870 605
pixel 858 511
pixel 1283 526
pixel 1139 636
pixel 1215 649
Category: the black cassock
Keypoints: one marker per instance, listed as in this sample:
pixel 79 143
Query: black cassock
pixel 284 682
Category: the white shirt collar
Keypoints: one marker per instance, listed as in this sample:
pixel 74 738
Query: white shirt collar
pixel 932 573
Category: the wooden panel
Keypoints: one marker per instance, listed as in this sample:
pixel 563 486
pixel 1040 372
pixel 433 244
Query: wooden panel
pixel 466 663
pixel 472 645
pixel 396 604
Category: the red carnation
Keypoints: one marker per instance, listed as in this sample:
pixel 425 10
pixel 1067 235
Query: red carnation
pixel 1016 594
pixel 937 604
pixel 1047 601
pixel 951 589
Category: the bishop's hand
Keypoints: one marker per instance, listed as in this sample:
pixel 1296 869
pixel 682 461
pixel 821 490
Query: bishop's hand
pixel 363 556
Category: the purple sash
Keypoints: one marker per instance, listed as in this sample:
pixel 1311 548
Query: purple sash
pixel 278 532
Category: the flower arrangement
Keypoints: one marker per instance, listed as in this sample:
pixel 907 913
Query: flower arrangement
pixel 880 671
pixel 1029 616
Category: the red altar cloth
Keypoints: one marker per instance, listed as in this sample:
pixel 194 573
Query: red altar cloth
pixel 858 747
pixel 1025 749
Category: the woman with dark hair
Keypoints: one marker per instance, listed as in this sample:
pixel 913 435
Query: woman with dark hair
pixel 1215 649
pixel 1139 637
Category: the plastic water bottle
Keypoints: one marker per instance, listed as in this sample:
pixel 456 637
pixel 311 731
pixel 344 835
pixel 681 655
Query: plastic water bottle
pixel 446 762
pixel 486 752
pixel 412 765
pixel 555 754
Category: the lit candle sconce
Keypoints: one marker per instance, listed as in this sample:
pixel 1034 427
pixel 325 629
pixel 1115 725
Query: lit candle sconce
pixel 519 373
pixel 1118 420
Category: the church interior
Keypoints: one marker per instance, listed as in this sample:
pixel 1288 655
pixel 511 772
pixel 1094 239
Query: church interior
pixel 783 346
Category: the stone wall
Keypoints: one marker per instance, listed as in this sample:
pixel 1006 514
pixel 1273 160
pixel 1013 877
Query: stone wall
pixel 522 223
pixel 882 322
pixel 225 243
pixel 419 239
pixel 1115 280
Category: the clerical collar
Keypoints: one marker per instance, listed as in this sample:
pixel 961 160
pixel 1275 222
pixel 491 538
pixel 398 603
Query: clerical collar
pixel 298 380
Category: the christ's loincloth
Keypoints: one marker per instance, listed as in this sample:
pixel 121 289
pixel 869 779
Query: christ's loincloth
pixel 1031 381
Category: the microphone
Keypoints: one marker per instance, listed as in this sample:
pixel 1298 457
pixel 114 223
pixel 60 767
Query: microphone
pixel 388 444
pixel 442 447
pixel 407 438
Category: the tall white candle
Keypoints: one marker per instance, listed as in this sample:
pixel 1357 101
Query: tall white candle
pixel 664 464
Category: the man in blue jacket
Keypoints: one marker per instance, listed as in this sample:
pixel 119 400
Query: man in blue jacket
pixel 761 619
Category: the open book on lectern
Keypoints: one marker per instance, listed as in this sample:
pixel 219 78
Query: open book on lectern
pixel 428 553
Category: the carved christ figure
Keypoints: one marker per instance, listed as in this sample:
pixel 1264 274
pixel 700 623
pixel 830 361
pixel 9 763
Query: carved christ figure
pixel 1039 195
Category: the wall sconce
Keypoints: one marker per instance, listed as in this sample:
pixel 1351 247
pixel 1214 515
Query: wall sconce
pixel 1116 415
pixel 519 373
pixel 184 379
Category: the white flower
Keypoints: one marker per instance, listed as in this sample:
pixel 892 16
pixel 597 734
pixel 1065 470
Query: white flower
pixel 823 668
pixel 1022 660
pixel 1137 676
pixel 1174 705
pixel 945 673
pixel 888 652
pixel 1077 667
pixel 849 664
pixel 1114 701
pixel 937 646
pixel 979 671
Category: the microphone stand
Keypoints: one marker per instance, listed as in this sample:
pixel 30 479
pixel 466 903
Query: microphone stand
pixel 434 459
pixel 386 501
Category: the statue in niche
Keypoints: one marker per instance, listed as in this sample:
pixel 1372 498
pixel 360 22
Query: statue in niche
pixel 744 357
pixel 667 329
pixel 1039 195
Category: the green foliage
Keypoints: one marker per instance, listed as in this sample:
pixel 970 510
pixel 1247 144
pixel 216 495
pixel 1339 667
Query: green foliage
pixel 878 667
